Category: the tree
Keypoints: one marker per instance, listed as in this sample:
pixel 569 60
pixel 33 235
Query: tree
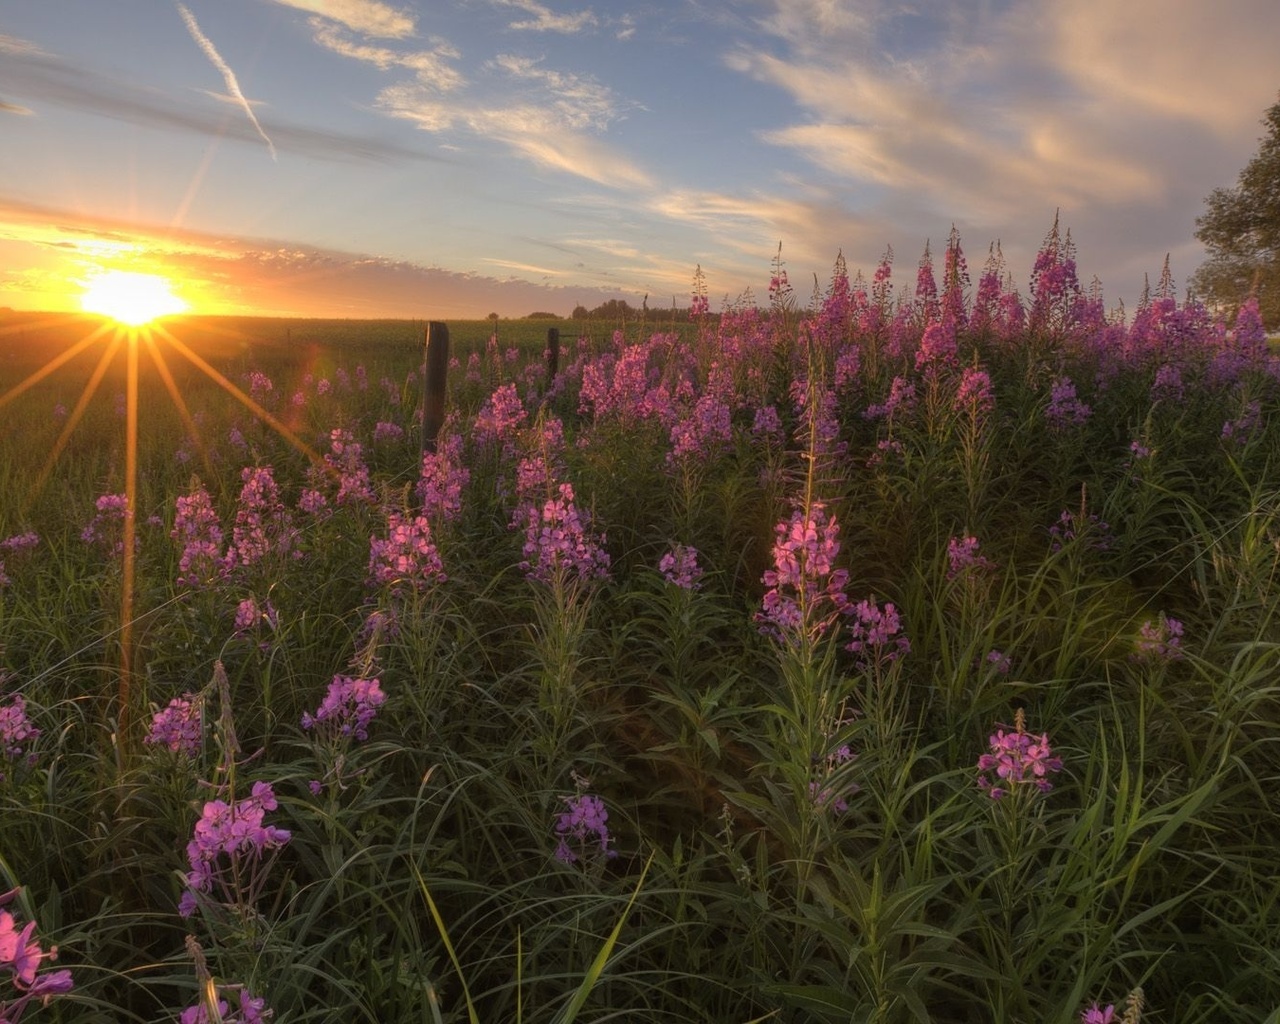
pixel 1241 230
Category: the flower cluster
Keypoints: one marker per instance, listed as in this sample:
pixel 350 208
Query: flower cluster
pixel 262 524
pixel 250 616
pixel 443 478
pixel 1072 526
pixel 196 526
pixel 556 540
pixel 1065 409
pixel 346 459
pixel 974 393
pixel 877 634
pixel 962 555
pixel 20 955
pixel 406 557
pixel 500 416
pixel 826 796
pixel 680 567
pixel 104 528
pixel 251 1010
pixel 17 734
pixel 238 833
pixel 348 707
pixel 1095 1014
pixel 385 432
pixel 806 590
pixel 1159 640
pixel 179 726
pixel 583 829
pixel 1017 759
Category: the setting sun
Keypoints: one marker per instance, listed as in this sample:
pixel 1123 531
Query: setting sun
pixel 131 298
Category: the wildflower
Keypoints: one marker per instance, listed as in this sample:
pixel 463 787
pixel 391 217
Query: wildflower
pixel 973 396
pixel 262 525
pixel 1096 1015
pixel 962 555
pixel 251 1010
pixel 249 616
pixel 680 567
pixel 583 822
pixel 20 954
pixel 1072 526
pixel 17 734
pixel 766 423
pixel 706 430
pixel 346 458
pixel 806 590
pixel 1017 759
pixel 348 707
pixel 178 726
pixel 407 557
pixel 227 848
pixel 558 540
pixel 196 526
pixel 105 528
pixel 1139 451
pixel 385 432
pixel 999 662
pixel 500 415
pixel 442 480
pixel 1065 409
pixel 876 633
pixel 1160 640
pixel 1239 430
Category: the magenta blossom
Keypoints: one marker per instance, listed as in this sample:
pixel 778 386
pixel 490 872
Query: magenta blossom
pixel 348 707
pixel 1017 759
pixel 179 726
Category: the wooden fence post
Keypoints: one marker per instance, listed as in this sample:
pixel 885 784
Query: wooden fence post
pixel 553 354
pixel 435 367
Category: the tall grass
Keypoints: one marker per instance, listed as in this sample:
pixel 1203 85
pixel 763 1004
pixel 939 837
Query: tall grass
pixel 892 568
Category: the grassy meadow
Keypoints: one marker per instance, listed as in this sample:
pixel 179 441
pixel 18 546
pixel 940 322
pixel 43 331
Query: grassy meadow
pixel 907 655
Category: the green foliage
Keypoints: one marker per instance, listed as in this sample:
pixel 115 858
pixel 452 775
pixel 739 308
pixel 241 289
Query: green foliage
pixel 1241 230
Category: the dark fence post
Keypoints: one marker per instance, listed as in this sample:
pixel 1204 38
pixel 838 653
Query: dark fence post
pixel 553 354
pixel 436 366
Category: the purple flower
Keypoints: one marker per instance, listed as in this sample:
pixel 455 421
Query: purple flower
pixel 20 954
pixel 583 829
pixel 262 524
pixel 346 459
pixel 962 555
pixel 500 416
pixel 1017 759
pixel 1096 1015
pixel 227 848
pixel 557 540
pixel 974 396
pixel 179 726
pixel 680 567
pixel 348 707
pixel 249 616
pixel 407 558
pixel 251 1010
pixel 17 734
pixel 805 591
pixel 1160 640
pixel 1065 409
pixel 877 634
pixel 443 478
pixel 196 527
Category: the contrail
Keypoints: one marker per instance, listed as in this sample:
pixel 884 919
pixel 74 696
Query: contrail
pixel 228 76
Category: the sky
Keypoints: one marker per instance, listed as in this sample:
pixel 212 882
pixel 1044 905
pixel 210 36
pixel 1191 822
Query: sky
pixel 436 159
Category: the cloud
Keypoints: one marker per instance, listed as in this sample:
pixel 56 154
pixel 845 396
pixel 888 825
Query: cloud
pixel 40 78
pixel 228 76
pixel 546 20
pixel 550 125
pixel 368 17
pixel 13 108
pixel 430 67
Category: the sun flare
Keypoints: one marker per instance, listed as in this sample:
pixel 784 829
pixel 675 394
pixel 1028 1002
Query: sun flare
pixel 131 298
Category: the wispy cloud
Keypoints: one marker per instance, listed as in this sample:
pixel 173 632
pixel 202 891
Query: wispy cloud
pixel 228 76
pixel 39 78
pixel 546 20
pixel 368 17
pixel 13 108
pixel 430 67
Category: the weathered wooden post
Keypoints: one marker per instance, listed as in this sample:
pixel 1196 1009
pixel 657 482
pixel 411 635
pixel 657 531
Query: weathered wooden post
pixel 435 367
pixel 553 354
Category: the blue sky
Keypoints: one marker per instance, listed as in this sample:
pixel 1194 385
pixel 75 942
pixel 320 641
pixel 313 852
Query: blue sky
pixel 455 157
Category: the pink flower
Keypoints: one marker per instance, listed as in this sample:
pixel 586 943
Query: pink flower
pixel 805 589
pixel 1017 759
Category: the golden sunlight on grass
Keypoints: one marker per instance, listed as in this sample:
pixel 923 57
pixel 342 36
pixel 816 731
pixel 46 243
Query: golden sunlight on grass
pixel 131 298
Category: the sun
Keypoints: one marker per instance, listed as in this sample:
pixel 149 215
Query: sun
pixel 131 298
